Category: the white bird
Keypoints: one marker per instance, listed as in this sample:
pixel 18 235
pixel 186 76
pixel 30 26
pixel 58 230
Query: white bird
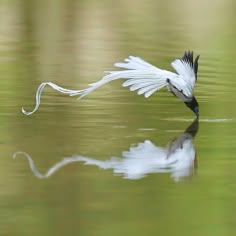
pixel 144 78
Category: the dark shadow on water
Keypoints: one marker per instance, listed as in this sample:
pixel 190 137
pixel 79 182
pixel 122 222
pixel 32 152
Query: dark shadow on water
pixel 178 158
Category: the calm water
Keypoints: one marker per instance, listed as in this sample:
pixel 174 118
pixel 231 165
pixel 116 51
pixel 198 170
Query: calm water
pixel 123 191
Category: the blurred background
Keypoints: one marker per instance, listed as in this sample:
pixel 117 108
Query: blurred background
pixel 71 43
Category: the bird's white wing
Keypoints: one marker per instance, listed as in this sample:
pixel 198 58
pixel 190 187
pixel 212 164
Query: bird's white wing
pixel 187 69
pixel 140 76
pixel 186 81
pixel 181 88
pixel 135 63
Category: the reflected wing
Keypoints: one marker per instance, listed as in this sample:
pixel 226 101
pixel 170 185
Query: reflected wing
pixel 187 69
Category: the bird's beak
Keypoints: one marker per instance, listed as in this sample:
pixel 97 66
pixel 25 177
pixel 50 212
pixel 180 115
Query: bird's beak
pixel 196 111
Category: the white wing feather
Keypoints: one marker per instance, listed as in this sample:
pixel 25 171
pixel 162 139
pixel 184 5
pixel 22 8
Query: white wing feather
pixel 187 77
pixel 135 63
pixel 139 75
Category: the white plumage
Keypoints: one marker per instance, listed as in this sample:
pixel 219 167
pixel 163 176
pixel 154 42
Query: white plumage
pixel 144 78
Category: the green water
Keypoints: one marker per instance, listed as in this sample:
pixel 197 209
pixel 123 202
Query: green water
pixel 71 43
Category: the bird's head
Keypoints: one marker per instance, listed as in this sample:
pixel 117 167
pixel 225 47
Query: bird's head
pixel 193 105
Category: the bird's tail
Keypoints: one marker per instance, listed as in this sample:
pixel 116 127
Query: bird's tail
pixel 39 92
pixel 136 71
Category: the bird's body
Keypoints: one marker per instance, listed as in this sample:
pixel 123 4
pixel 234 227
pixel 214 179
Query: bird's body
pixel 146 79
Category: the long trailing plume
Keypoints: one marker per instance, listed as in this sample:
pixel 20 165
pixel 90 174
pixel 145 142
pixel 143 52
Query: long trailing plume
pixel 140 76
pixel 40 90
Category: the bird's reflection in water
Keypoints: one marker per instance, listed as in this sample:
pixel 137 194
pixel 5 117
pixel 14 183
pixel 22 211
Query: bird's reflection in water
pixel 178 158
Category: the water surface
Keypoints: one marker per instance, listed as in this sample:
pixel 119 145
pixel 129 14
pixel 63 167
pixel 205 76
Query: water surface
pixel 71 43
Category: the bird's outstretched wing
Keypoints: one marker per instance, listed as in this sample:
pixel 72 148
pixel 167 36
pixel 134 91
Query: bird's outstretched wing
pixel 187 69
pixel 140 76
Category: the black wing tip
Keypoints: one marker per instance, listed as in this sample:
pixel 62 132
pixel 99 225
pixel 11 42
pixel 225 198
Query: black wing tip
pixel 188 58
pixel 197 57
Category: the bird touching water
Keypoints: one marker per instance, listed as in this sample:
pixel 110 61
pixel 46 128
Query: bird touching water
pixel 144 78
